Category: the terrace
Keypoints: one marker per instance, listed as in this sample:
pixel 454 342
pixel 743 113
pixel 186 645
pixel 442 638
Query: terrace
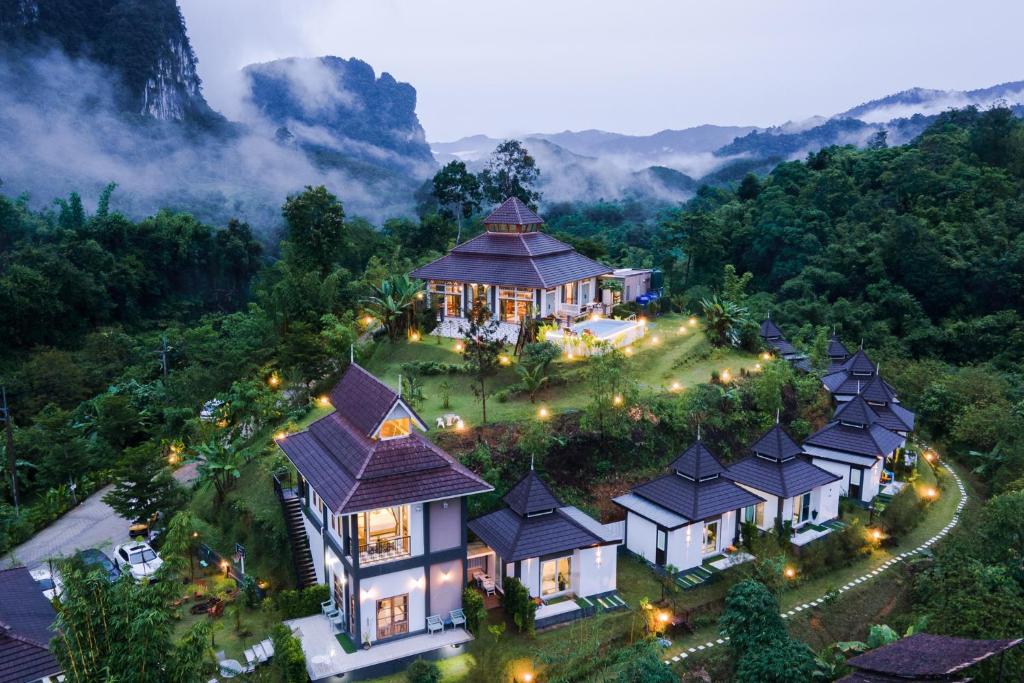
pixel 328 654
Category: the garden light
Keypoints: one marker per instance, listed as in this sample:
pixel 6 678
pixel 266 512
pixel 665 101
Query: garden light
pixel 790 573
pixel 676 386
pixel 642 320
pixel 663 617
pixel 617 399
pixel 692 321
pixel 460 426
pixel 682 329
pixel 726 376
pixel 930 493
pixel 876 535
pixel 368 320
pixel 419 296
pixel 415 336
pixel 279 436
pixel 543 413
pixel 628 350
pixel 195 534
pixel 324 401
pixel 766 356
pixel 273 381
pixel 527 677
pixel 460 347
pixel 504 360
pixel 757 366
pixel 655 339
pixel 595 316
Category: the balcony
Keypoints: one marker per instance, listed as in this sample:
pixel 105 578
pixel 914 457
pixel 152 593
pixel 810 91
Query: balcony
pixel 384 549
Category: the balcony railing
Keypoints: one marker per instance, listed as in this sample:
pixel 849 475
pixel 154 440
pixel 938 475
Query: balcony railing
pixel 384 549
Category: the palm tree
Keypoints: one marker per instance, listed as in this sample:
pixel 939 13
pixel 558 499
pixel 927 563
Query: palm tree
pixel 219 465
pixel 533 379
pixel 723 320
pixel 392 303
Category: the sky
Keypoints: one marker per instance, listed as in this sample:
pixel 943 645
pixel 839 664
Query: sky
pixel 628 66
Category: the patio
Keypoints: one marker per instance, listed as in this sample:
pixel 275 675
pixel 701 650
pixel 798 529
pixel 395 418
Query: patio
pixel 812 532
pixel 325 656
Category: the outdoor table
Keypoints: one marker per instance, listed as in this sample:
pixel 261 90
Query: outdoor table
pixel 229 668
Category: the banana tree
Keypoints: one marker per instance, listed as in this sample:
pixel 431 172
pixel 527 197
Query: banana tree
pixel 723 320
pixel 392 302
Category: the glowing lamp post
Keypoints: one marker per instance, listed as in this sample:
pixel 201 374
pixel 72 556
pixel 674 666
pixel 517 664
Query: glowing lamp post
pixel 543 413
pixel 324 401
pixel 726 375
pixel 676 387
pixel 789 573
pixel 766 356
pixel 692 322
pixel 274 381
pixel 930 493
pixel 617 399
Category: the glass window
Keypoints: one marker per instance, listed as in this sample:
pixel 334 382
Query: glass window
pixel 555 576
pixel 514 303
pixel 754 514
pixel 393 616
pixel 379 529
pixel 711 536
pixel 394 428
pixel 801 508
pixel 569 293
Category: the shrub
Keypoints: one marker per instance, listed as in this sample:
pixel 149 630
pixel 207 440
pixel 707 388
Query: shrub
pixel 302 603
pixel 289 659
pixel 518 604
pixel 902 513
pixel 473 608
pixel 422 671
pixel 838 549
pixel 539 353
pixel 428 368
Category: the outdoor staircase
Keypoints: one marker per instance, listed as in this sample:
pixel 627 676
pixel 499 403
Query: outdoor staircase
pixel 302 557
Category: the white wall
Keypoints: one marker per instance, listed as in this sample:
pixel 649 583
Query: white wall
pixel 640 536
pixel 727 530
pixel 684 546
pixel 837 468
pixel 872 482
pixel 594 570
pixel 771 507
pixel 825 499
pixel 316 547
pixel 411 581
pixel 529 574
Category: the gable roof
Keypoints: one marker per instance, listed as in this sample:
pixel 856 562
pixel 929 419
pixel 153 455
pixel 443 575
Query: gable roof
pixel 785 478
pixel 856 412
pixel 513 212
pixel 924 655
pixel 836 349
pixel 352 472
pixel 871 441
pixel 769 329
pixel 26 618
pixel 697 462
pixel 531 495
pixel 776 444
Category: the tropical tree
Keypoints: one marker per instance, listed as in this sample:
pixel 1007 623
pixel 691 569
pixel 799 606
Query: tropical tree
pixel 458 192
pixel 219 465
pixel 316 236
pixel 481 352
pixel 533 379
pixel 144 485
pixel 180 542
pixel 723 320
pixel 511 172
pixel 392 302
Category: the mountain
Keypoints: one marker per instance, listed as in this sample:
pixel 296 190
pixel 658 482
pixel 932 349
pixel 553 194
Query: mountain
pixel 666 143
pixel 339 105
pixel 143 43
pixel 906 103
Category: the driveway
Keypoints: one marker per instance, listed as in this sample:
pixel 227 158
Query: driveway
pixel 93 524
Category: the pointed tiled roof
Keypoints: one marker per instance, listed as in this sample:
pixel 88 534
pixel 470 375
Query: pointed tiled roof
pixel 895 417
pixel 856 412
pixel 695 500
pixel 698 462
pixel 784 478
pixel 530 496
pixel 513 212
pixel 26 621
pixel 860 364
pixel 836 349
pixel 877 391
pixel 769 329
pixel 873 441
pixel 776 444
pixel 362 399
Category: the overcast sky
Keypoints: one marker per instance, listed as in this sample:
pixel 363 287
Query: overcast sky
pixel 630 66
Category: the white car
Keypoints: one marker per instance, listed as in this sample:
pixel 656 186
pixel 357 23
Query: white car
pixel 49 582
pixel 138 559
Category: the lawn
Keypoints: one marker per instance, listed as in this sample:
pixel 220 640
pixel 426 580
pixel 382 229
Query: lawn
pixel 664 357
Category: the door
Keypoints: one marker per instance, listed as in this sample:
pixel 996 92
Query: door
pixel 660 547
pixel 711 537
pixel 801 509
pixel 856 482
pixel 392 616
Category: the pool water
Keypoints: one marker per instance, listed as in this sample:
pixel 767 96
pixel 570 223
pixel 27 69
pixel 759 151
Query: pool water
pixel 604 328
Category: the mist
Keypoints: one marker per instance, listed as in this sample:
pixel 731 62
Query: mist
pixel 63 131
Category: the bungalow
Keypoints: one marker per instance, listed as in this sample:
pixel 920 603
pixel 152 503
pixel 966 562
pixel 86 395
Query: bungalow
pixel 794 490
pixel 26 628
pixel 855 445
pixel 691 513
pixel 773 338
pixel 553 549
pixel 384 511
pixel 846 380
pixel 836 352
pixel 515 271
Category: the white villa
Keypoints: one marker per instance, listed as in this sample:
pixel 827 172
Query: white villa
pixel 687 515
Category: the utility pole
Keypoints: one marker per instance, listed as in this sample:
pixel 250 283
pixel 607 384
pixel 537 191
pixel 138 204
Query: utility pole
pixel 5 413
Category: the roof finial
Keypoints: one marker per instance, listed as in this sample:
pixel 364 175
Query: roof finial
pixel 698 431
pixel 778 412
pixel 399 386
pixel 862 343
pixel 531 462
pixel 352 353
pixel 858 386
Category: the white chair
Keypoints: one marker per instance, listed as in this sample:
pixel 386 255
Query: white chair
pixel 435 623
pixel 458 618
pixel 268 647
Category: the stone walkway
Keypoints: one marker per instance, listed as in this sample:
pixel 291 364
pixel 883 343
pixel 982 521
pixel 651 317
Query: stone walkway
pixel 902 557
pixel 93 524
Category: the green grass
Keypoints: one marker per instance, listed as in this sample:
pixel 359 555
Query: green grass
pixel 686 358
pixel 256 626
pixel 346 643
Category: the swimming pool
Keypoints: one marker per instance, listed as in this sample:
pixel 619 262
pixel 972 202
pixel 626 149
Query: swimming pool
pixel 606 332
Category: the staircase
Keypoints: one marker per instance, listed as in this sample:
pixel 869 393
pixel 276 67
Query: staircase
pixel 302 558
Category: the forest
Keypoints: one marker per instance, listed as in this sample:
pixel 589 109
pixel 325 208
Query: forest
pixel 118 333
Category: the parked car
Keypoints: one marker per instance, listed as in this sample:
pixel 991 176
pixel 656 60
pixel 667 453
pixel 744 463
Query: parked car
pixel 96 559
pixel 49 582
pixel 139 559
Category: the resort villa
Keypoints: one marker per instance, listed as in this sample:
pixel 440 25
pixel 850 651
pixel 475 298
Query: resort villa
pixel 794 490
pixel 689 514
pixel 555 550
pixel 384 512
pixel 772 336
pixel 516 271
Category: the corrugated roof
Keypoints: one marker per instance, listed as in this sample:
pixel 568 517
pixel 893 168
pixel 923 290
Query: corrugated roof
pixel 531 495
pixel 695 500
pixel 697 462
pixel 776 444
pixel 513 212
pixel 779 478
pixel 26 618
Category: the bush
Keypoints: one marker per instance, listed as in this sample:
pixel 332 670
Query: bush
pixel 422 671
pixel 902 513
pixel 427 368
pixel 625 310
pixel 289 659
pixel 473 608
pixel 302 603
pixel 838 549
pixel 518 604
pixel 539 353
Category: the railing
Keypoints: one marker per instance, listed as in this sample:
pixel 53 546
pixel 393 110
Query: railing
pixel 284 484
pixel 384 549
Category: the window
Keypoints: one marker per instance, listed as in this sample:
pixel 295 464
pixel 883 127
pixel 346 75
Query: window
pixel 711 536
pixel 383 534
pixel 569 292
pixel 314 501
pixel 514 303
pixel 801 508
pixel 393 616
pixel 754 514
pixel 449 294
pixel 392 429
pixel 856 482
pixel 555 576
pixel 585 291
pixel 338 592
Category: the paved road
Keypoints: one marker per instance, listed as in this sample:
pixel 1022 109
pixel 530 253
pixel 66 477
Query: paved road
pixel 93 524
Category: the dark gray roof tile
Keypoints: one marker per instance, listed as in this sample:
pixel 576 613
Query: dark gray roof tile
pixel 777 444
pixel 26 618
pixel 513 212
pixel 779 478
pixel 698 462
pixel 695 500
